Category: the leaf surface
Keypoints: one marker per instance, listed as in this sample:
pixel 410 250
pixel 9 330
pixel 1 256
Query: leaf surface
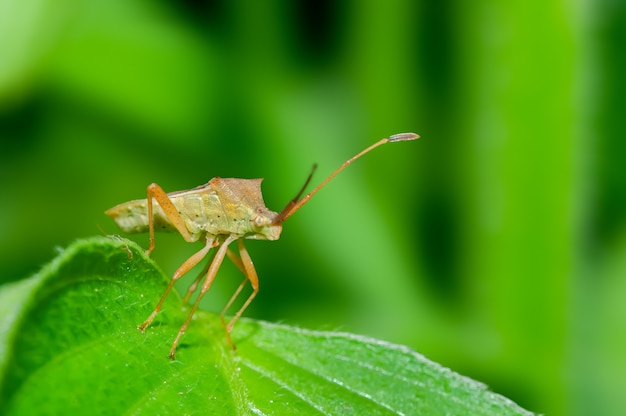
pixel 69 345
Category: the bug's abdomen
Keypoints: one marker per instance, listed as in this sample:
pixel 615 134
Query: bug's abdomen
pixel 132 217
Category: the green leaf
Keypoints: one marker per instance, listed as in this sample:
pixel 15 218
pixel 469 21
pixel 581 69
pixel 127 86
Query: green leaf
pixel 69 345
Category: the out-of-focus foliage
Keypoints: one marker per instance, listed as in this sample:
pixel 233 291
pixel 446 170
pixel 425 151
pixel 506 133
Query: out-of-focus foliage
pixel 493 245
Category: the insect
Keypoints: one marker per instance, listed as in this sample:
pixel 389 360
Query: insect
pixel 218 213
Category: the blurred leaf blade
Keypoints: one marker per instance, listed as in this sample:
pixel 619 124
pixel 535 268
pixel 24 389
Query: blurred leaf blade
pixel 73 348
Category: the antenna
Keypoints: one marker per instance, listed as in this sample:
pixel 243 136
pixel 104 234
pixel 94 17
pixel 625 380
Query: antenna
pixel 297 203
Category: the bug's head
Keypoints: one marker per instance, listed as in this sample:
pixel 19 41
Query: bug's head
pixel 263 226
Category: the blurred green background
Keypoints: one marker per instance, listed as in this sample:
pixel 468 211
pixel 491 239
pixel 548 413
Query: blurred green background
pixel 495 245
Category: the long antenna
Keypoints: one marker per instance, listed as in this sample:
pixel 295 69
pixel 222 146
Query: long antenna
pixel 297 203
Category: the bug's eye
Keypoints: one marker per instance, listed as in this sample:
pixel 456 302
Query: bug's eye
pixel 259 221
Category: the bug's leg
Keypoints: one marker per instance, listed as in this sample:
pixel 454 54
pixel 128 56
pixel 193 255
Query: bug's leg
pixel 184 268
pixel 237 262
pixel 170 210
pixel 194 285
pixel 210 276
pixel 244 261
